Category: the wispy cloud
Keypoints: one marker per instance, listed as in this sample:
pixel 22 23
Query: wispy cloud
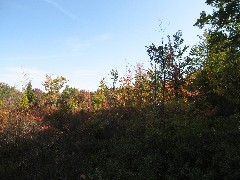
pixel 75 44
pixel 64 11
pixel 104 37
pixel 13 4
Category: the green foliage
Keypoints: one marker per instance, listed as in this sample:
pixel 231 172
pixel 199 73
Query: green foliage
pixel 24 103
pixel 54 85
pixel 69 99
pixel 99 98
pixel 28 98
pixel 225 15
pixel 9 96
pixel 224 24
pixel 30 94
pixel 115 76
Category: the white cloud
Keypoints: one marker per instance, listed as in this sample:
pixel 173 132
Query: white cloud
pixel 86 79
pixel 60 8
pixel 14 76
pixel 34 71
pixel 19 76
pixel 84 73
pixel 31 58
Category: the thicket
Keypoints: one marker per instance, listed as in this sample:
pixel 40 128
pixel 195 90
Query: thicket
pixel 177 119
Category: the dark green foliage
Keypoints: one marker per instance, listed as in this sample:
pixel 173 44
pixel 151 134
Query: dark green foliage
pixel 219 57
pixel 30 94
pixel 226 13
pixel 114 74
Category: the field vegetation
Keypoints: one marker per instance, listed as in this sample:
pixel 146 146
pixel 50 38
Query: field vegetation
pixel 177 119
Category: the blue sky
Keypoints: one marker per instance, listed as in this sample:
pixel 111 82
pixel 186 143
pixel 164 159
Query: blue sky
pixel 83 40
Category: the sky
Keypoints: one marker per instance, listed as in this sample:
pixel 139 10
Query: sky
pixel 83 40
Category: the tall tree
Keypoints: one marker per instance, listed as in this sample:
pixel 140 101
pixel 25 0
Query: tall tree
pixel 171 65
pixel 221 67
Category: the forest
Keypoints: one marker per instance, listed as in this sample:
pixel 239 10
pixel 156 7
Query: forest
pixel 178 118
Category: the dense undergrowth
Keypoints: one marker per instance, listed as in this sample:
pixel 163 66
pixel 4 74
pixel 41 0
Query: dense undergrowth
pixel 125 144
